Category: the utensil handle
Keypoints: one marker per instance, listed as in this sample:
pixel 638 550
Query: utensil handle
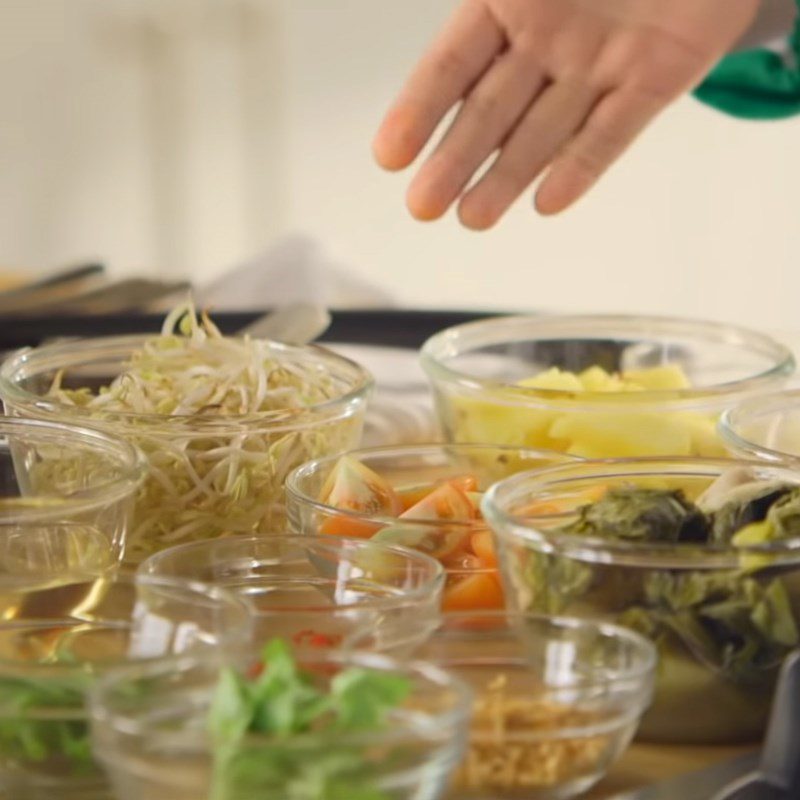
pixel 780 760
pixel 778 773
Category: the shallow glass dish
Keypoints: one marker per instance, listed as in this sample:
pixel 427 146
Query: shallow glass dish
pixel 158 747
pixel 208 474
pixel 765 427
pixel 557 700
pixel 66 502
pixel 54 645
pixel 711 687
pixel 317 591
pixel 465 547
pixel 475 371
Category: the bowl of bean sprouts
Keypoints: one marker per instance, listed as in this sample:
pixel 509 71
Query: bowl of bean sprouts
pixel 222 420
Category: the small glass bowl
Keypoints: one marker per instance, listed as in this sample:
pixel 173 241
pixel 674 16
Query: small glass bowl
pixel 708 689
pixel 66 502
pixel 765 427
pixel 472 577
pixel 317 591
pixel 208 474
pixel 557 700
pixel 157 747
pixel 475 370
pixel 57 643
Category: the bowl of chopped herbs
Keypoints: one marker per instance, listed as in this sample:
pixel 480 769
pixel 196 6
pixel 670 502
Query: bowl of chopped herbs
pixel 285 724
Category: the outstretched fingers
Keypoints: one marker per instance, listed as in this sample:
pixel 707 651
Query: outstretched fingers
pixel 460 55
pixel 543 131
pixel 489 113
pixel 608 132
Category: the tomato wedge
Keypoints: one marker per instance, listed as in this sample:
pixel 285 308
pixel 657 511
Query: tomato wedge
pixel 467 483
pixel 462 561
pixel 482 545
pixel 349 527
pixel 416 494
pixel 355 487
pixel 481 590
pixel 445 502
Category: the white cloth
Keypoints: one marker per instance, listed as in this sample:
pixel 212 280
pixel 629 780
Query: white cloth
pixel 295 269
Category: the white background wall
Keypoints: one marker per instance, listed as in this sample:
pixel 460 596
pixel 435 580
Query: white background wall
pixel 180 136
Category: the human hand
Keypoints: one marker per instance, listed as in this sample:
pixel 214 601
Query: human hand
pixel 559 84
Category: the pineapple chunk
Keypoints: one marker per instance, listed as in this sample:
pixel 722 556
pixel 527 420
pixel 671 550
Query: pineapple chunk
pixel 596 379
pixel 497 423
pixel 668 377
pixel 555 380
pixel 618 435
pixel 625 429
pixel 703 430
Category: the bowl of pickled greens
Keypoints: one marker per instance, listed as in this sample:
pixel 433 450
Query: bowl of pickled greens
pixel 56 642
pixel 598 386
pixel 222 420
pixel 280 726
pixel 424 496
pixel 702 556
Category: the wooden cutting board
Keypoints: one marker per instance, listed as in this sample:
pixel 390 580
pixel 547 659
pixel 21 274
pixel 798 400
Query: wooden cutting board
pixel 645 764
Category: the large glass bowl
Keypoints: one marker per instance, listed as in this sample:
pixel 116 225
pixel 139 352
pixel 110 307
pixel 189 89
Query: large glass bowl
pixel 708 607
pixel 464 546
pixel 56 642
pixel 156 746
pixel 66 502
pixel 557 700
pixel 475 370
pixel 765 427
pixel 317 591
pixel 208 474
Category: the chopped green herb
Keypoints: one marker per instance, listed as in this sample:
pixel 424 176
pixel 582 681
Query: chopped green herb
pixel 31 729
pixel 283 702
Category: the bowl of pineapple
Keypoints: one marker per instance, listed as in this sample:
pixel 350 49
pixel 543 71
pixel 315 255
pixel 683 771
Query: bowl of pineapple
pixel 598 386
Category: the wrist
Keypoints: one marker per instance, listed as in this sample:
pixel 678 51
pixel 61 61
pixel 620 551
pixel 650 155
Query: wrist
pixel 774 21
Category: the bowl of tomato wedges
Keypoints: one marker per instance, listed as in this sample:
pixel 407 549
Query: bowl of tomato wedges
pixel 422 496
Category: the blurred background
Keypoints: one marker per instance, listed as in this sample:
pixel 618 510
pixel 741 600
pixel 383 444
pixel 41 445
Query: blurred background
pixel 182 138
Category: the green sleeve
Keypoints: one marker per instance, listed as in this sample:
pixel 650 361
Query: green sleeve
pixel 756 84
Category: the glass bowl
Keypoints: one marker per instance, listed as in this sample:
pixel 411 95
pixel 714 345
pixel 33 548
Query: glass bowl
pixel 58 641
pixel 157 747
pixel 465 547
pixel 317 591
pixel 208 474
pixel 66 502
pixel 765 427
pixel 713 609
pixel 476 369
pixel 557 700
